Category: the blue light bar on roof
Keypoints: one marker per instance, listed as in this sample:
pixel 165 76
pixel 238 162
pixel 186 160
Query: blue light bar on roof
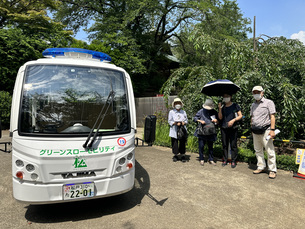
pixel 61 52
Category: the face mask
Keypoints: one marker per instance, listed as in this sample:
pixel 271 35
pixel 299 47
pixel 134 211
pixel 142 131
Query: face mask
pixel 178 106
pixel 226 99
pixel 257 96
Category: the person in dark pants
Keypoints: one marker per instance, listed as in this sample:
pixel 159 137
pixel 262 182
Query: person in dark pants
pixel 229 114
pixel 177 119
pixel 206 115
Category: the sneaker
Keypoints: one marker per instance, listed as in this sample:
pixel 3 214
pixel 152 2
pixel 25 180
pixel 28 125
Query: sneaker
pixel 183 158
pixel 212 163
pixel 233 165
pixel 175 158
pixel 258 171
pixel 272 175
pixel 202 163
pixel 224 163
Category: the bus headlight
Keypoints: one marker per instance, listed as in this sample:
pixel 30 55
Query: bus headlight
pixel 129 156
pixel 30 167
pixel 19 163
pixel 119 169
pixel 122 161
pixel 34 176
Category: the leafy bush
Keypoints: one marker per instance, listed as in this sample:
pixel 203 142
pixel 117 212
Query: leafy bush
pixel 286 162
pixel 5 108
pixel 162 137
pixel 246 155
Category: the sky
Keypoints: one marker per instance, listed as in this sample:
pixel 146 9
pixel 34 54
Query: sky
pixel 273 18
pixel 276 17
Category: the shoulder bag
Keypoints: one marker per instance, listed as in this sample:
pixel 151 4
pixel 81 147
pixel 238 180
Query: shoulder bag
pixel 206 129
pixel 259 129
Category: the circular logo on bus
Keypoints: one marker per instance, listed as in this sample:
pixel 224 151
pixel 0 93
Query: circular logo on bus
pixel 122 141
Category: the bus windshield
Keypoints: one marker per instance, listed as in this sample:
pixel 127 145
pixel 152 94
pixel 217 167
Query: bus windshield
pixel 65 100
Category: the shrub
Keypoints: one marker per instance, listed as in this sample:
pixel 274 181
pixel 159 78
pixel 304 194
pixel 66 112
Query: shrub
pixel 5 108
pixel 246 155
pixel 286 162
pixel 162 137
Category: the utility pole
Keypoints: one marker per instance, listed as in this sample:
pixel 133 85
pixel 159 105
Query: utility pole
pixel 254 44
pixel 254 39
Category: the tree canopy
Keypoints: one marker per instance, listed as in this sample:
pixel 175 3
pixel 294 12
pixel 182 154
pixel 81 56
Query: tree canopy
pixel 145 30
pixel 25 31
pixel 30 16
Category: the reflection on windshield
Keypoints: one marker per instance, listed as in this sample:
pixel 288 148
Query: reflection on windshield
pixel 61 99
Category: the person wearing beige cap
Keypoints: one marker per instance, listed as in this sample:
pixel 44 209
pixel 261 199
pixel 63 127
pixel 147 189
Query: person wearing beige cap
pixel 206 116
pixel 263 125
pixel 177 119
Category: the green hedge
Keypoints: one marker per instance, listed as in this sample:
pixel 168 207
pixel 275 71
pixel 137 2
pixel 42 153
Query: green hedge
pixel 5 108
pixel 285 162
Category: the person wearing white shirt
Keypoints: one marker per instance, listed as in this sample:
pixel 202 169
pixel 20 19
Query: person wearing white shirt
pixel 177 119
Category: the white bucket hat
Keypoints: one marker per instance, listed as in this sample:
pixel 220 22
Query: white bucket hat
pixel 258 88
pixel 208 104
pixel 175 101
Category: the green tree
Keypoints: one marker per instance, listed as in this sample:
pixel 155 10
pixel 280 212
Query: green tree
pixel 215 48
pixel 25 31
pixel 143 30
pixel 26 13
pixel 31 16
pixel 17 47
pixel 281 63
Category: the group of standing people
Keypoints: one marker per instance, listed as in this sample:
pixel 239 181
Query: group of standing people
pixel 229 113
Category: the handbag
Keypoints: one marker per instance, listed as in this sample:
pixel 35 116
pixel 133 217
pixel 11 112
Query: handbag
pixel 206 129
pixel 259 129
pixel 181 133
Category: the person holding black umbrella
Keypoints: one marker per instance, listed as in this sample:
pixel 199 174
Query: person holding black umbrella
pixel 225 87
pixel 229 114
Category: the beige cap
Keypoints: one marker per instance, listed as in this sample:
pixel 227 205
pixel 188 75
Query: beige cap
pixel 208 104
pixel 258 88
pixel 175 101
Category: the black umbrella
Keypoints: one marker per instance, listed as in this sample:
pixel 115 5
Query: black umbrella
pixel 220 87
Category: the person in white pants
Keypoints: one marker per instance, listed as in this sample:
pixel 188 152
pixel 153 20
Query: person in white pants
pixel 263 124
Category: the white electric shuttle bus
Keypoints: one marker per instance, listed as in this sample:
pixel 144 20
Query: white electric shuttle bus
pixel 73 125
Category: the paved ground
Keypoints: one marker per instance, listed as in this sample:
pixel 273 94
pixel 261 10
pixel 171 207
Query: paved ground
pixel 171 195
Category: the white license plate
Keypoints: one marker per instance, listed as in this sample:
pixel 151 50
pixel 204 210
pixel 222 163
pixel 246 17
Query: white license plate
pixel 76 191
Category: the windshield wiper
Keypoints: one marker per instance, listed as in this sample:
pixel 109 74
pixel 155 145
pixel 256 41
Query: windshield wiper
pixel 101 116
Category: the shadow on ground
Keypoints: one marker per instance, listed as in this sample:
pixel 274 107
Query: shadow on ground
pixel 95 208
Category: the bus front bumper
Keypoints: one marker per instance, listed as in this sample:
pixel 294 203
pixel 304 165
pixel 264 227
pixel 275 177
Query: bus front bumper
pixel 53 193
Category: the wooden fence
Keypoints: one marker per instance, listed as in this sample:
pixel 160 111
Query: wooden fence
pixel 152 106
